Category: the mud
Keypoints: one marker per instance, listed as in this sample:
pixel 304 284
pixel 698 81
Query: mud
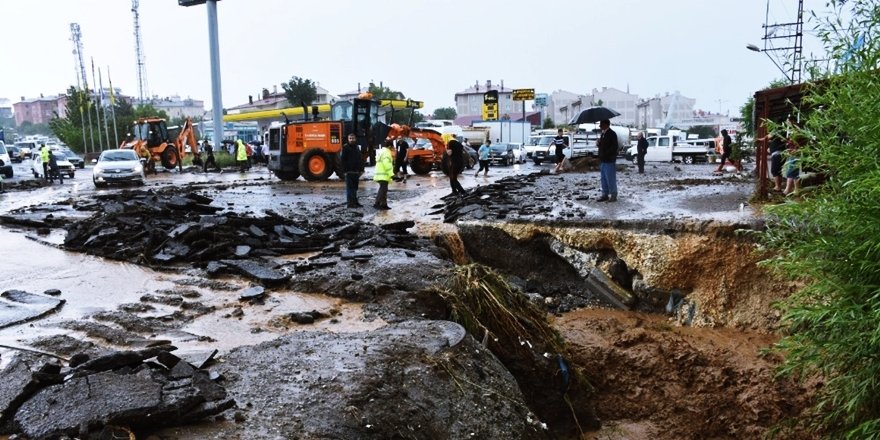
pixel 672 236
pixel 657 380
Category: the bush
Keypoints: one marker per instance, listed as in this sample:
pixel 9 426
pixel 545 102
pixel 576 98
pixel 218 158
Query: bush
pixel 831 239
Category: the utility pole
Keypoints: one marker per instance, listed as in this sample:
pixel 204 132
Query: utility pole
pixel 139 53
pixel 76 37
pixel 793 35
pixel 214 43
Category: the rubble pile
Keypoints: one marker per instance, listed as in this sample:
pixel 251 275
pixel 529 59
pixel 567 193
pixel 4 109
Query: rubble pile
pixel 149 388
pixel 153 229
pixel 493 201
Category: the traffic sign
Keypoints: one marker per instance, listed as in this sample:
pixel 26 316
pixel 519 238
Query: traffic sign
pixel 523 94
pixel 541 99
pixel 490 112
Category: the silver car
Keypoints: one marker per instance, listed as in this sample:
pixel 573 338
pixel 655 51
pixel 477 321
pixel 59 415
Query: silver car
pixel 117 166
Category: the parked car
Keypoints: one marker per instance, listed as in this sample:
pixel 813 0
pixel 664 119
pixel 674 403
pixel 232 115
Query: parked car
pixel 5 162
pixel 502 154
pixel 519 152
pixel 64 166
pixel 26 148
pixel 14 153
pixel 118 166
pixel 74 158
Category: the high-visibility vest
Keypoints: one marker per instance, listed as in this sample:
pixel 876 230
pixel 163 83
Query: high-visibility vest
pixel 241 154
pixel 44 154
pixel 384 166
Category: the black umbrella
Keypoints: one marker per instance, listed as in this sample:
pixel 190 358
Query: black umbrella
pixel 593 114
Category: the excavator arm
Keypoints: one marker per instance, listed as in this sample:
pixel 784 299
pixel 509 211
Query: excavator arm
pixel 421 161
pixel 187 137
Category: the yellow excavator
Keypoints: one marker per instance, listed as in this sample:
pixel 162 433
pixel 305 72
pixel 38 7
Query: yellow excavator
pixel 153 140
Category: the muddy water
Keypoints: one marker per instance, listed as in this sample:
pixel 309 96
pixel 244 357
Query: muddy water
pixel 91 284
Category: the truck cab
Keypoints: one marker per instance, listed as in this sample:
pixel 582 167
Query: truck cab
pixel 310 148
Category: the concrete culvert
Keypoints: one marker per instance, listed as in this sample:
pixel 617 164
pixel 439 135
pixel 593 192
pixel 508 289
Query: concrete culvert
pixel 518 334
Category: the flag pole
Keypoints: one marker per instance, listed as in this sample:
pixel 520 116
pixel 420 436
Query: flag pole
pixel 89 112
pixel 113 108
pixel 97 112
pixel 101 83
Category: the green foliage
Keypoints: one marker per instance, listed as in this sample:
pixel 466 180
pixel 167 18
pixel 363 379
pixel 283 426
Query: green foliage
pixel 299 91
pixel 445 113
pixel 548 122
pixel 703 131
pixel 747 111
pixel 831 239
pixel 383 92
pixel 80 108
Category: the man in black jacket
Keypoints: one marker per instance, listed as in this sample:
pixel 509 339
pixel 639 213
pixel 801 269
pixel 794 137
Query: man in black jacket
pixel 641 151
pixel 456 164
pixel 607 144
pixel 353 166
pixel 725 150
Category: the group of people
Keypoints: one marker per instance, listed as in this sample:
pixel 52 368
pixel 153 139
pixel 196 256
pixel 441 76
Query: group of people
pixel 391 165
pixel 50 165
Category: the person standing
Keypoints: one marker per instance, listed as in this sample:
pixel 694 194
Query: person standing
pixel 777 150
pixel 456 164
pixel 641 151
pixel 353 166
pixel 53 169
pixel 400 160
pixel 607 161
pixel 241 155
pixel 561 143
pixel 382 174
pixel 725 150
pixel 483 154
pixel 210 160
pixel 44 157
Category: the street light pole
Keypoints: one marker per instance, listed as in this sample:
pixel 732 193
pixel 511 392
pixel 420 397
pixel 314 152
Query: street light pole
pixel 214 43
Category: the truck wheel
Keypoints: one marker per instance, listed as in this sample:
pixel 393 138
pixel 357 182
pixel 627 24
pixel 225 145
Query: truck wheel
pixel 9 173
pixel 170 158
pixel 314 165
pixel 420 166
pixel 688 160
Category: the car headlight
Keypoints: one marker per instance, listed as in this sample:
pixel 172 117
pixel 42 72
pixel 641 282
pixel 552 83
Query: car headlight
pixel 138 168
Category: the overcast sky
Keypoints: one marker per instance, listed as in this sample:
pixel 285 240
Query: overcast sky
pixel 429 50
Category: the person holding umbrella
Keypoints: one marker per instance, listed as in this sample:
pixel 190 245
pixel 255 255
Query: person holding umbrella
pixel 607 144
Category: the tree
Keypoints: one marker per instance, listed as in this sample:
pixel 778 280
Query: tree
pixel 445 113
pixel 830 240
pixel 548 122
pixel 300 91
pixel 703 131
pixel 79 106
pixel 748 109
pixel 400 116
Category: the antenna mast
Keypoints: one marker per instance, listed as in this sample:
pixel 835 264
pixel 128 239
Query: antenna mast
pixel 139 52
pixel 76 38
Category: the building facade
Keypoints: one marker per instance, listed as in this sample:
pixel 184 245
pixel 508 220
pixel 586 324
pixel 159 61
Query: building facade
pixel 175 107
pixel 5 108
pixel 40 110
pixel 469 102
pixel 664 111
pixel 267 100
pixel 622 102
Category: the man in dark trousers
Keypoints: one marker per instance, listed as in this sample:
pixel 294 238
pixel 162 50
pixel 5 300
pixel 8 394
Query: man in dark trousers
pixel 400 161
pixel 353 166
pixel 725 150
pixel 560 143
pixel 607 161
pixel 210 161
pixel 641 151
pixel 456 164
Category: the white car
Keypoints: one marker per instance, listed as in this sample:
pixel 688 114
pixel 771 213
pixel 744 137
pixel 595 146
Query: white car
pixel 519 152
pixel 116 166
pixel 64 165
pixel 5 162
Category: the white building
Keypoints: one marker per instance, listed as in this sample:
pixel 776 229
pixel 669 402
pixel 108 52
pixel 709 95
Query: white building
pixel 5 108
pixel 624 103
pixel 267 100
pixel 663 111
pixel 559 105
pixel 175 107
pixel 469 102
